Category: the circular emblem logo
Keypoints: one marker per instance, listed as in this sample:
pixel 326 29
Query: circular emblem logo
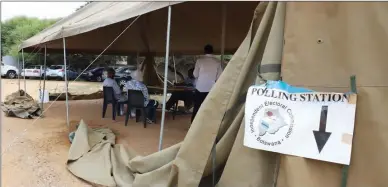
pixel 272 123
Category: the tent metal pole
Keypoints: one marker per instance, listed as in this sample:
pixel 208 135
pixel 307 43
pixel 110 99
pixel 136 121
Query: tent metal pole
pixel 165 77
pixel 173 60
pixel 18 59
pixel 40 77
pixel 223 30
pixel 66 83
pixel 24 73
pixel 44 74
pixel 223 23
pixel 137 59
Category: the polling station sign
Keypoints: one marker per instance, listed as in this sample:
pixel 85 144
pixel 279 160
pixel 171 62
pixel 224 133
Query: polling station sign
pixel 300 122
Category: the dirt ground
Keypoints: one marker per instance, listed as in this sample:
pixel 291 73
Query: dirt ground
pixel 38 156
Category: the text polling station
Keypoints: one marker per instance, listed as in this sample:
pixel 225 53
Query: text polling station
pixel 300 122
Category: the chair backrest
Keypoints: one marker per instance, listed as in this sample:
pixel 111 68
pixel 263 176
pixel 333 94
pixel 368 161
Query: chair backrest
pixel 108 94
pixel 135 98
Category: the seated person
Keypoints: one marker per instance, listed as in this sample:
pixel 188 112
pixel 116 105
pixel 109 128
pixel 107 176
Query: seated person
pixel 110 82
pixel 136 83
pixel 186 96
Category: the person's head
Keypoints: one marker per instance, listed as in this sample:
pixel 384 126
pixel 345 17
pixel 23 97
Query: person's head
pixel 208 49
pixel 190 73
pixel 111 73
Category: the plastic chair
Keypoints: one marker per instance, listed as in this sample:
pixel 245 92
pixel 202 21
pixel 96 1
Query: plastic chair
pixel 109 98
pixel 136 101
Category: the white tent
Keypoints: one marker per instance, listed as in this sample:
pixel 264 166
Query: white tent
pixel 139 28
pixel 193 25
pixel 319 45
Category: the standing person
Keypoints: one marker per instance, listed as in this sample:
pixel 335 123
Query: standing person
pixel 207 70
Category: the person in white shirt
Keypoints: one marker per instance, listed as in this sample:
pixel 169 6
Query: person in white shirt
pixel 207 70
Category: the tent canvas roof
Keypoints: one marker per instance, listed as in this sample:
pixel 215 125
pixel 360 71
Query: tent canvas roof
pixel 193 25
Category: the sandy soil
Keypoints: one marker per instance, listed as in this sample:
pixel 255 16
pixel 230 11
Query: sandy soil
pixel 38 156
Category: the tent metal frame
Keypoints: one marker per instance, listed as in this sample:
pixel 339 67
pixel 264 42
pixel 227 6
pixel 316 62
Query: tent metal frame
pixel 166 59
pixel 44 77
pixel 167 55
pixel 24 73
pixel 66 83
pixel 18 72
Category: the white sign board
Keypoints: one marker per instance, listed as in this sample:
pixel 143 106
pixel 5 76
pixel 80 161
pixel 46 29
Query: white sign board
pixel 314 125
pixel 43 95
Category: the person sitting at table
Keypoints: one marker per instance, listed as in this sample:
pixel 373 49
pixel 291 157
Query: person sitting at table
pixel 110 82
pixel 135 82
pixel 185 96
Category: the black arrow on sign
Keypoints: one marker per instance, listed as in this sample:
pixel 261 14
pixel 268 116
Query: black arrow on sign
pixel 322 136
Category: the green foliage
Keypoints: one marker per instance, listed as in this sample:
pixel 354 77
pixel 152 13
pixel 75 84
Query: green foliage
pixel 18 29
pixel 14 31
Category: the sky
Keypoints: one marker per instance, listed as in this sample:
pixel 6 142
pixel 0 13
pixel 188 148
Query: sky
pixel 42 10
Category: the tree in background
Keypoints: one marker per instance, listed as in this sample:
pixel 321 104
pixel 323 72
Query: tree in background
pixel 14 31
pixel 18 29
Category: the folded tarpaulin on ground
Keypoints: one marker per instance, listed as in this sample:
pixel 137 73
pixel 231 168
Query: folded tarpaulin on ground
pixel 62 96
pixel 20 104
pixel 94 157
